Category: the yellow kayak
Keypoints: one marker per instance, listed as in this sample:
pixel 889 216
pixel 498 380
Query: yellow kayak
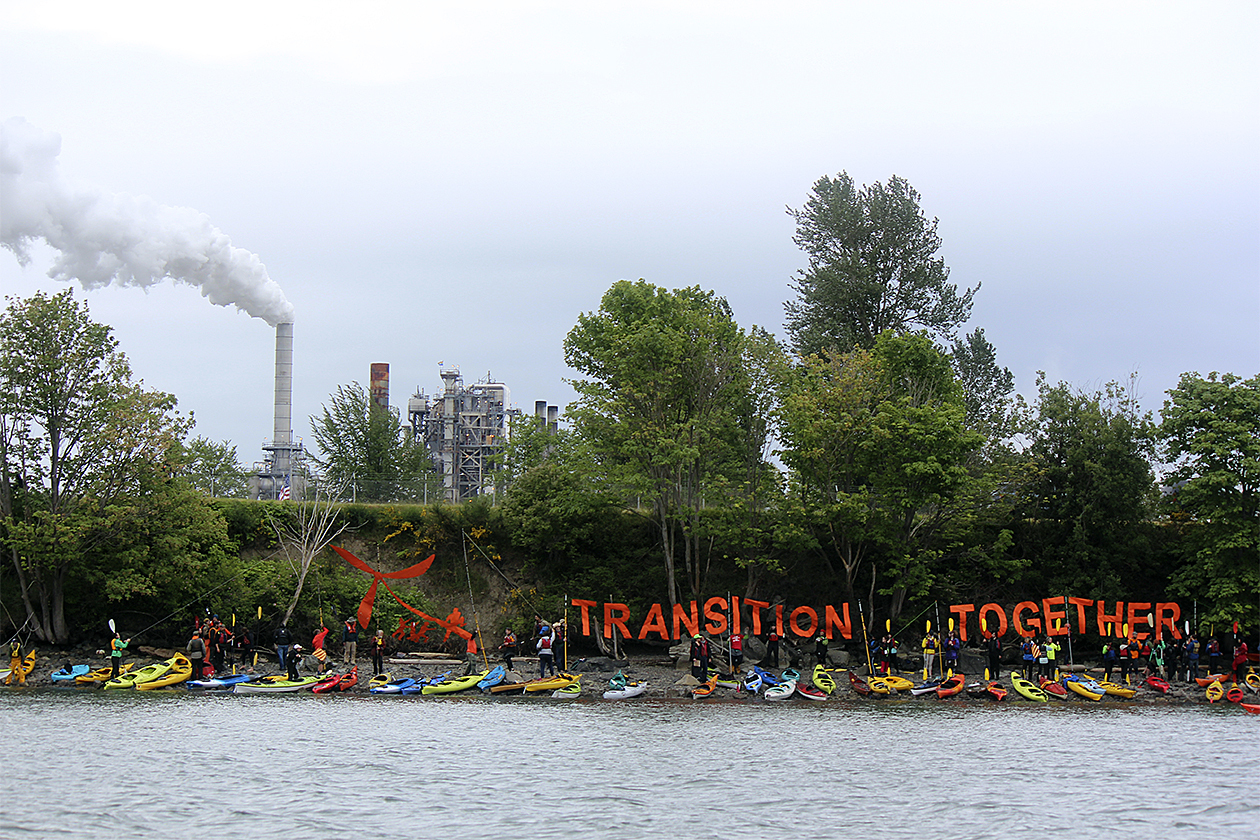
pixel 25 666
pixel 549 683
pixel 823 681
pixel 1116 690
pixel 1083 689
pixel 1028 690
pixel 179 669
pixel 101 675
pixel 1215 691
pixel 899 683
pixel 131 679
pixel 880 685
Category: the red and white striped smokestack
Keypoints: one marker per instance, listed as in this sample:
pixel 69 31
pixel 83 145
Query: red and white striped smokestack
pixel 283 431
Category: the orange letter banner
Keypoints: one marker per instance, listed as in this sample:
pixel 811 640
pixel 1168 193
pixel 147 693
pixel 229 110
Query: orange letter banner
pixel 365 606
pixel 990 609
pixel 1057 616
pixel 793 622
pixel 843 628
pixel 1017 619
pixel 615 615
pixel 962 610
pixel 654 623
pixel 1166 615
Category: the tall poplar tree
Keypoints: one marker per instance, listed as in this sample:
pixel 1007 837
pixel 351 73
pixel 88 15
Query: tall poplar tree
pixel 873 266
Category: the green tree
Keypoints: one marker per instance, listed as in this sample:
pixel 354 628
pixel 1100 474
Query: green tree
pixel 665 378
pixel 76 438
pixel 1085 518
pixel 365 448
pixel 878 448
pixel 1210 428
pixel 873 266
pixel 213 469
pixel 988 389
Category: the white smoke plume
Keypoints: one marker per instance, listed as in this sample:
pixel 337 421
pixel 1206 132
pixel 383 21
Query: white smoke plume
pixel 130 240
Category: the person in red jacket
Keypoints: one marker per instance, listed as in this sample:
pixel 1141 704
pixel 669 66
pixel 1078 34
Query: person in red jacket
pixel 1240 662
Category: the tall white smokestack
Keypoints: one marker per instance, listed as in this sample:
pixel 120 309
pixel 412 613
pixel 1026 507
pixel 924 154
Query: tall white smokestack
pixel 283 429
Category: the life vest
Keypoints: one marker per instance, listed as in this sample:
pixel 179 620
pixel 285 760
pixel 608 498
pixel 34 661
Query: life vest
pixel 544 643
pixel 15 650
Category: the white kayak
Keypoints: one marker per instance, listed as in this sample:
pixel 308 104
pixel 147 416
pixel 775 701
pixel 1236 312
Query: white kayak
pixel 626 692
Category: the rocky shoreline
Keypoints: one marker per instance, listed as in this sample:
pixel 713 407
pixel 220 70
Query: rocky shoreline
pixel 667 674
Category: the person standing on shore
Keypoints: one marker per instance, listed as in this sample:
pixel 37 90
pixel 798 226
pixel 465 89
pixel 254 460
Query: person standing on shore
pixel 558 634
pixel 953 646
pixel 1050 653
pixel 321 655
pixel 350 642
pixel 699 658
pixel 245 645
pixel 546 660
pixel 1192 657
pixel 291 660
pixel 1028 653
pixel 197 655
pixel 994 645
pixel 772 649
pixel 737 652
pixel 1172 655
pixel 820 649
pixel 15 663
pixel 282 640
pixel 116 648
pixel 508 648
pixel 1240 662
pixel 1214 655
pixel 1110 658
pixel 378 653
pixel 931 645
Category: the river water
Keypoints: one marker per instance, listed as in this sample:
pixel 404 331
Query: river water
pixel 84 763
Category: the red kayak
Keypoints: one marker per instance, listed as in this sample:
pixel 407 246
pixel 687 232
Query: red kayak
pixel 1053 688
pixel 951 686
pixel 996 691
pixel 1234 695
pixel 810 692
pixel 1254 708
pixel 859 685
pixel 337 682
pixel 1158 684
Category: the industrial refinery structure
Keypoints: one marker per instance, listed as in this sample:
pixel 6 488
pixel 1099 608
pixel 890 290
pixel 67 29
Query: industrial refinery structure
pixel 462 428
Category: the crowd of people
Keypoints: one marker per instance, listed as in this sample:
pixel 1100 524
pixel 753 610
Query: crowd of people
pixel 213 642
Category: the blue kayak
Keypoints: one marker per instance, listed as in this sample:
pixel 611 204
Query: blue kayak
pixel 393 686
pixel 75 671
pixel 493 678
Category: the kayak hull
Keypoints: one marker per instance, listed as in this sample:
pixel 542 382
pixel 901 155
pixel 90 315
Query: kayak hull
pixel 1027 690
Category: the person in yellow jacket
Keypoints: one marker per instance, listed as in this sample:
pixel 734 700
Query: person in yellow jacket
pixel 1050 651
pixel 15 663
pixel 931 646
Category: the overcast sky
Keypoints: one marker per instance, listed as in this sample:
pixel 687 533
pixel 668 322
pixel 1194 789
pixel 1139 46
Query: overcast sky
pixel 455 183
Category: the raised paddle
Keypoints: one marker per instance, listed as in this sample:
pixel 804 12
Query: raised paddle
pixel 926 632
pixel 950 671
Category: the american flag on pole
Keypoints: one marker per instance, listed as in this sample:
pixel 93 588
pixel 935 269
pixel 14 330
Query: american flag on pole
pixel 285 491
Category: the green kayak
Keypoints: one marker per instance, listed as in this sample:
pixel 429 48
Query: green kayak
pixel 452 686
pixel 133 678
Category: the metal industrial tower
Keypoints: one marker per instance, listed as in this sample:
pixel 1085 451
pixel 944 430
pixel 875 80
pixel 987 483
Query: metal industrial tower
pixel 462 429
